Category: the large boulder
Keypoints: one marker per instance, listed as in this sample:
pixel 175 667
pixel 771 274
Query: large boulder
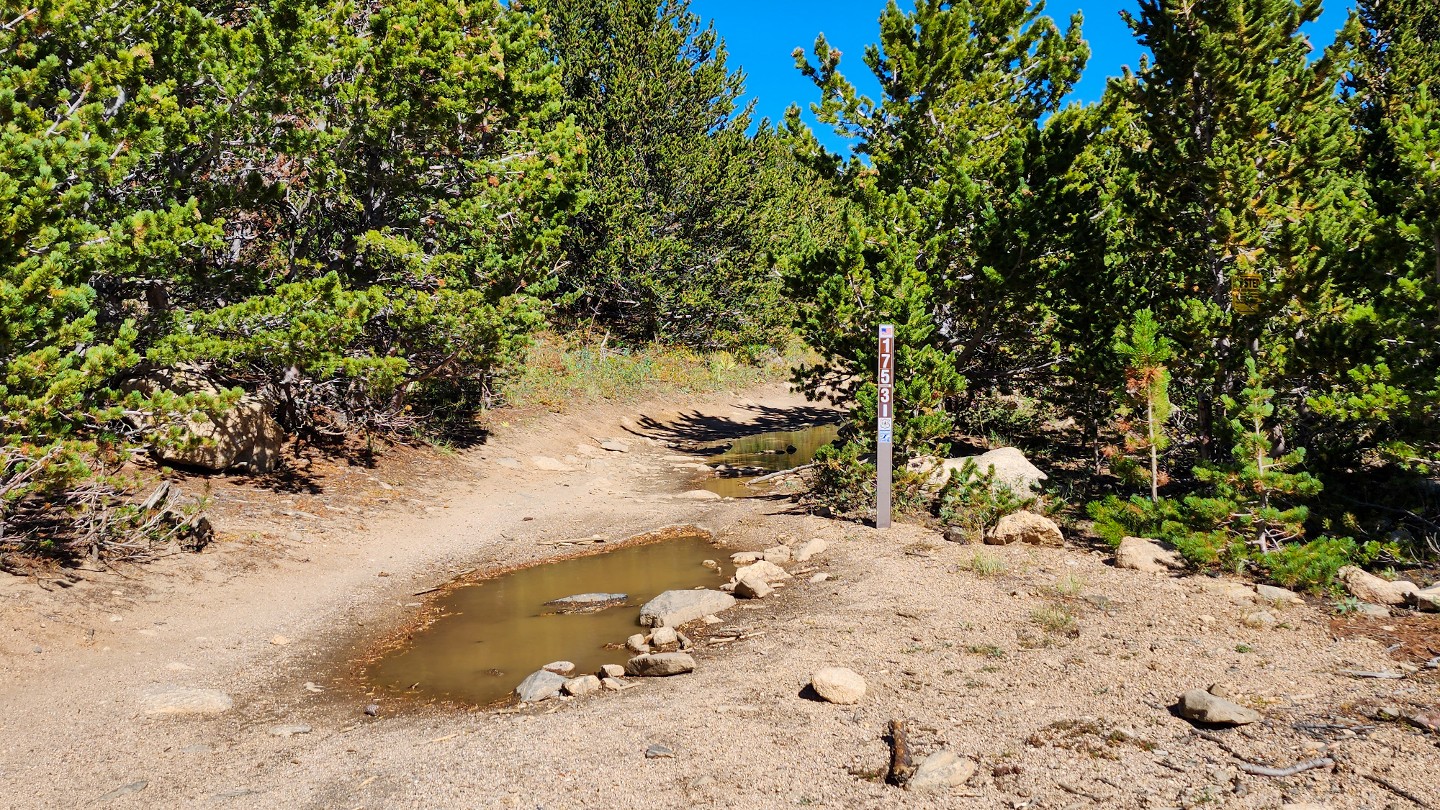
pixel 1011 468
pixel 1142 554
pixel 241 437
pixel 674 608
pixel 1025 527
pixel 1369 588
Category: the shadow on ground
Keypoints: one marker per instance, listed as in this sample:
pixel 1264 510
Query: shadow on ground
pixel 697 429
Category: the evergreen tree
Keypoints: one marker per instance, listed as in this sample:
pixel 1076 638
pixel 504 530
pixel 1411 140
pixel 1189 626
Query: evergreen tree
pixel 685 209
pixel 1147 387
pixel 938 225
pixel 1238 194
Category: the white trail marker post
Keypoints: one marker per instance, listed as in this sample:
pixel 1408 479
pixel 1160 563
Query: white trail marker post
pixel 885 426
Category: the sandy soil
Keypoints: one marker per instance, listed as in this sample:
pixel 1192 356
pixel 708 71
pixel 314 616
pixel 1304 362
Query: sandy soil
pixel 1056 717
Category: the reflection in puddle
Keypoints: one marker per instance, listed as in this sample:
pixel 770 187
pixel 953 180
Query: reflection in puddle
pixel 497 631
pixel 753 456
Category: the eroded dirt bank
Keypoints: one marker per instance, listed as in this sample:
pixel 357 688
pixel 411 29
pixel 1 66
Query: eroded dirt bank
pixel 980 657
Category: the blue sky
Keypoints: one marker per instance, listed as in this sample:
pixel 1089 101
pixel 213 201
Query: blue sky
pixel 761 35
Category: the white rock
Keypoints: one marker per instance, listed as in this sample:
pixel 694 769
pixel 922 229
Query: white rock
pixel 637 644
pixel 942 770
pixel 1011 468
pixel 838 685
pixel 752 587
pixel 816 579
pixel 290 731
pixel 664 637
pixel 764 570
pixel 583 685
pixel 674 608
pixel 549 464
pixel 1142 554
pixel 1025 527
pixel 777 554
pixel 560 667
pixel 1369 588
pixel 612 671
pixel 660 665
pixel 746 557
pixel 810 548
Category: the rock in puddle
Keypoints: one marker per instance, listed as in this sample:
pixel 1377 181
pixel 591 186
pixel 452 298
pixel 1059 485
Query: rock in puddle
pixel 838 685
pixel 664 637
pixel 560 667
pixel 637 644
pixel 674 608
pixel 942 770
pixel 1200 706
pixel 660 664
pixel 182 700
pixel 540 685
pixel 746 557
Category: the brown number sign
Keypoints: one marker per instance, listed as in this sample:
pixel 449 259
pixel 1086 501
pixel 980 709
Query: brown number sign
pixel 885 426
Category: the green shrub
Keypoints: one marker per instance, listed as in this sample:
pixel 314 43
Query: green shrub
pixel 975 501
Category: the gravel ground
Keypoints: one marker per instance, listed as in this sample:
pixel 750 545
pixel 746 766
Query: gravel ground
pixel 1050 668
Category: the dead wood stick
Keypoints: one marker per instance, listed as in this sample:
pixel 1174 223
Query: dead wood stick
pixel 762 479
pixel 1395 676
pixel 1299 767
pixel 1256 769
pixel 902 767
pixel 1396 789
pixel 1069 788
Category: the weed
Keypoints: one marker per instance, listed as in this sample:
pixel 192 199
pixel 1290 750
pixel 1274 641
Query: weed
pixel 1055 619
pixel 1345 605
pixel 987 650
pixel 1070 585
pixel 986 565
pixel 1244 648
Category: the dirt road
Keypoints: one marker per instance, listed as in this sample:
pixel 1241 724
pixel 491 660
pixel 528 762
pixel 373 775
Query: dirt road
pixel 1048 667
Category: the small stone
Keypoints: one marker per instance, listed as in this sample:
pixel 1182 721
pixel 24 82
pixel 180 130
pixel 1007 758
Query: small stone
pixel 636 644
pixel 752 587
pixel 746 557
pixel 712 620
pixel 583 685
pixel 1221 689
pixel 777 554
pixel 1202 707
pixel 664 637
pixel 540 685
pixel 810 548
pixel 816 579
pixel 942 770
pixel 660 665
pixel 560 667
pixel 291 731
pixel 1259 620
pixel 838 685
pixel 711 564
pixel 372 710
pixel 180 700
pixel 658 751
pixel 612 671
pixel 279 641
pixel 955 534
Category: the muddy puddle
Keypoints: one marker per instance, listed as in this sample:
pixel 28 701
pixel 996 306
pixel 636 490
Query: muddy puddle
pixel 753 456
pixel 493 633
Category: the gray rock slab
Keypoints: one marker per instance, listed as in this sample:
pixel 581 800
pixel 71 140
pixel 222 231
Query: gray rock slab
pixel 540 685
pixel 940 771
pixel 674 608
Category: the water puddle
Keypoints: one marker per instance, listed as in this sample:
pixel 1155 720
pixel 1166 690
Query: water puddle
pixel 753 456
pixel 493 633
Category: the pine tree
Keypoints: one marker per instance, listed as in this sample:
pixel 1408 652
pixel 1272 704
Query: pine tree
pixel 1147 387
pixel 685 209
pixel 938 221
pixel 1239 181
